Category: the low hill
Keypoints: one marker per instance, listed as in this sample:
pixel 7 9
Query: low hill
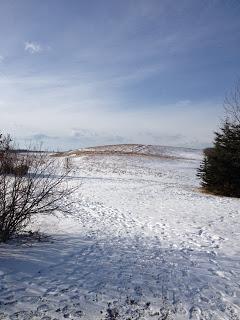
pixel 137 149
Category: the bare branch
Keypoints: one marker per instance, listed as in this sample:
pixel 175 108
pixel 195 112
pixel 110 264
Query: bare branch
pixel 232 105
pixel 30 183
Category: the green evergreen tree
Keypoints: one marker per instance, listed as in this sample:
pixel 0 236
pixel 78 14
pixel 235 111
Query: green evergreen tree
pixel 220 169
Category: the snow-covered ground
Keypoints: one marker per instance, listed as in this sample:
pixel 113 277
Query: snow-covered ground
pixel 142 243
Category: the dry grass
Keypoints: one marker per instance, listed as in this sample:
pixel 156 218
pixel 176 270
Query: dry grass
pixel 116 150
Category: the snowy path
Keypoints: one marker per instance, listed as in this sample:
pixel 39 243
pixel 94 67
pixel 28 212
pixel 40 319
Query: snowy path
pixel 141 238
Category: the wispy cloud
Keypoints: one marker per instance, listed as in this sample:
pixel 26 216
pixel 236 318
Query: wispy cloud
pixel 33 47
pixel 1 59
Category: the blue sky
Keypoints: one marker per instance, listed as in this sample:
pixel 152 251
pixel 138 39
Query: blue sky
pixel 76 73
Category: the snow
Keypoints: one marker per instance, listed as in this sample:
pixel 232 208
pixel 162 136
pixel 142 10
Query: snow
pixel 141 242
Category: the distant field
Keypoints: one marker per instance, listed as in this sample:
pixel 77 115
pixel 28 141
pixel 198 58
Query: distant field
pixel 137 149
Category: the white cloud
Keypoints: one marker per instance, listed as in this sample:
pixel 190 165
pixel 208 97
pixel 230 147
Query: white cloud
pixel 33 47
pixel 1 59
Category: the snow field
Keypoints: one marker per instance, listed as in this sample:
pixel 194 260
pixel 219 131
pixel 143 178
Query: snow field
pixel 141 242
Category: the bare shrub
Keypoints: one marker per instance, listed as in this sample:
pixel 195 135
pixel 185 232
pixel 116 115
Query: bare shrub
pixel 30 183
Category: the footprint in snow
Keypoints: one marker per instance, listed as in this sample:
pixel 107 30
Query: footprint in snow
pixel 195 313
pixel 43 308
pixel 26 315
